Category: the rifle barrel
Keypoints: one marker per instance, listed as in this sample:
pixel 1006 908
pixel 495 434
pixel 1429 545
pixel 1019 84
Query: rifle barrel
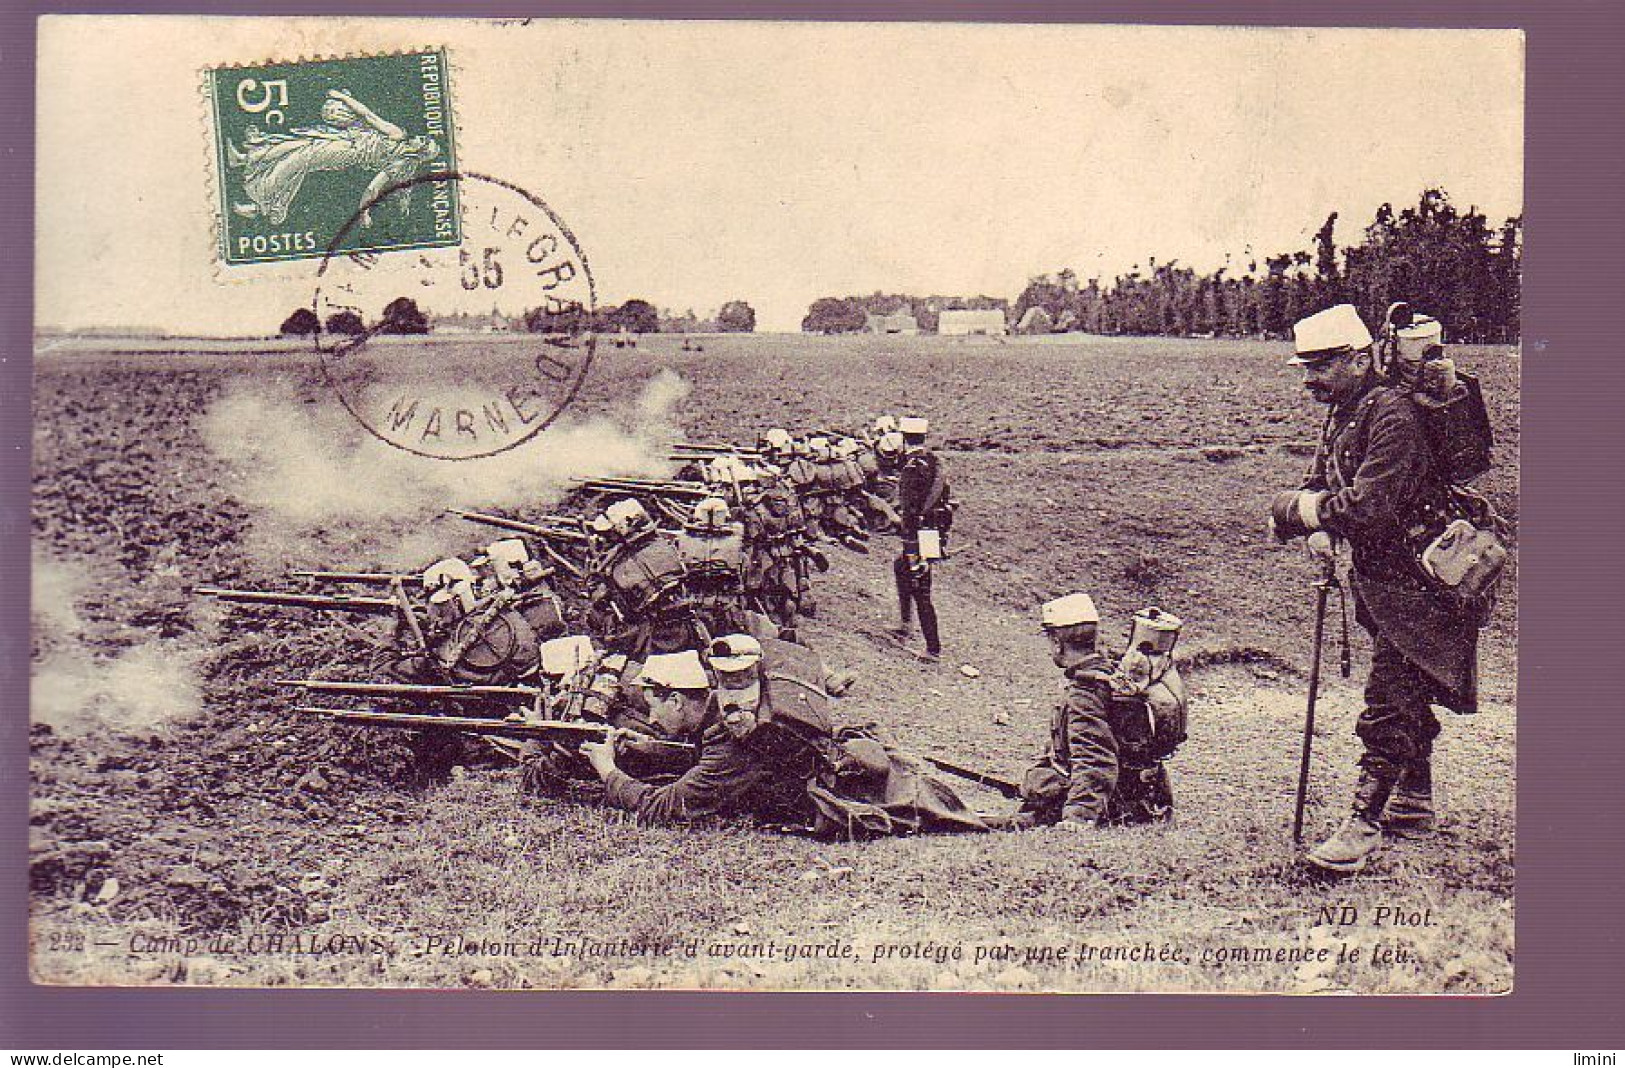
pixel 407 689
pixel 518 526
pixel 654 488
pixel 499 728
pixel 713 448
pixel 371 578
pixel 981 778
pixel 335 602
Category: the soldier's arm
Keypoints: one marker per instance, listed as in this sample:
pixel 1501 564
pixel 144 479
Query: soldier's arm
pixel 1389 480
pixel 1314 478
pixel 1092 749
pixel 724 774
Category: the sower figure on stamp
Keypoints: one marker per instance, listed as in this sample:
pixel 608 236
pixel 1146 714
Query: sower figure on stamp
pixel 1372 477
pixel 926 509
pixel 1103 763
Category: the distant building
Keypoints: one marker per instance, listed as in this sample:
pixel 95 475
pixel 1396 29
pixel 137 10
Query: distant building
pixel 464 323
pixel 896 323
pixel 1035 321
pixel 960 322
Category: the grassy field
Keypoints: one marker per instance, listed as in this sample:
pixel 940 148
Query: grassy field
pixel 184 830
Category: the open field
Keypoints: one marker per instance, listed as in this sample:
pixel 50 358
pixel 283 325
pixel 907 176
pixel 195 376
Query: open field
pixel 1138 469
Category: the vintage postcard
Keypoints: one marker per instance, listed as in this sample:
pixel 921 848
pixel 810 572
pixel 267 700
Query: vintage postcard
pixel 775 506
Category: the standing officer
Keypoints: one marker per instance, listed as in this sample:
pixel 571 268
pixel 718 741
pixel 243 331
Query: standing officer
pixel 925 506
pixel 1373 476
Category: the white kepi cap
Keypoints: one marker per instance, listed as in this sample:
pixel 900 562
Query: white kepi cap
pixel 913 424
pixel 675 671
pixel 734 652
pixel 1069 611
pixel 1329 333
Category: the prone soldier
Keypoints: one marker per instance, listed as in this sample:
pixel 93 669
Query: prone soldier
pixel 769 747
pixel 635 588
pixel 712 547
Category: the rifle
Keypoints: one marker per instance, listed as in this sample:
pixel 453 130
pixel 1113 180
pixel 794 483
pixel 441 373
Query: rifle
pixel 407 689
pixel 543 535
pixel 656 487
pixel 369 578
pixel 712 449
pixel 338 602
pixel 980 778
pixel 519 729
pixel 535 530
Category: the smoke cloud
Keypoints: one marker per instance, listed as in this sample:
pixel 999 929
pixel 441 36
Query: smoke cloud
pixel 322 482
pixel 78 689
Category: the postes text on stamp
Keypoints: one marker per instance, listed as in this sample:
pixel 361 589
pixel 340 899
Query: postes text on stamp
pixel 301 147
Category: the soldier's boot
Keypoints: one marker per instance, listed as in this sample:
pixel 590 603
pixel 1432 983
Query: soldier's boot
pixel 1348 849
pixel 905 618
pixel 1157 801
pixel 1143 795
pixel 1410 812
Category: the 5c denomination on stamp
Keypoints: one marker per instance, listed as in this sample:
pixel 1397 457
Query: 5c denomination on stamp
pixel 301 147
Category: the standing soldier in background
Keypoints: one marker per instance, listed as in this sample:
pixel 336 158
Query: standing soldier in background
pixel 926 509
pixel 1373 479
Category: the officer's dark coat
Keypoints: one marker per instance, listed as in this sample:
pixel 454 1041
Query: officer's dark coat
pixel 919 474
pixel 1377 468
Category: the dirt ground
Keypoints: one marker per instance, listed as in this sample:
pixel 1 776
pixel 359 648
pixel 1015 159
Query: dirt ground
pixel 185 830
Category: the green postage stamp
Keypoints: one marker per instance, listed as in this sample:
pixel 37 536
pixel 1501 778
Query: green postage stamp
pixel 334 156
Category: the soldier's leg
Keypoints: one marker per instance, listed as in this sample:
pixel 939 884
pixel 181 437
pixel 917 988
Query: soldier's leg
pixel 1393 726
pixel 927 611
pixel 1398 725
pixel 905 595
pixel 1409 740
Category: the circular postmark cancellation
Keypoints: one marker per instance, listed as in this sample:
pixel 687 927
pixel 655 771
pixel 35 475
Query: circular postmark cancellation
pixel 466 351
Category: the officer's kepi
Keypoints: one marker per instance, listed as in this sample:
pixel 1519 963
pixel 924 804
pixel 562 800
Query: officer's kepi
pixel 1326 334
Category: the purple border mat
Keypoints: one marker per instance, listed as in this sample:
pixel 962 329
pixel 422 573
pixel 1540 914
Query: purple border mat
pixel 1571 790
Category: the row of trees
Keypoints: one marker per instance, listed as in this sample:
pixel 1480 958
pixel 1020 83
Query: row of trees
pixel 845 315
pixel 403 316
pixel 1449 263
pixel 638 316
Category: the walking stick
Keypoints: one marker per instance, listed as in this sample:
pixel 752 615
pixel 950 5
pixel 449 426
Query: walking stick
pixel 1323 589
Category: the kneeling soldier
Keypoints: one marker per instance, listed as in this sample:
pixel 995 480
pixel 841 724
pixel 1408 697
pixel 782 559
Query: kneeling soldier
pixel 1103 764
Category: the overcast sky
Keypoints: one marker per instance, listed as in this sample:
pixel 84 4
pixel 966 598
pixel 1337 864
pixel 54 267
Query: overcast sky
pixel 701 162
